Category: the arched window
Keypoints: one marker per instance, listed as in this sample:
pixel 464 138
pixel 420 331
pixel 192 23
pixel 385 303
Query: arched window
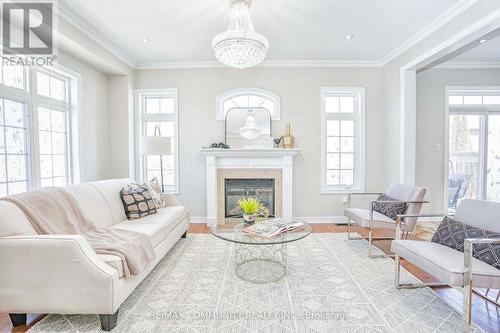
pixel 248 97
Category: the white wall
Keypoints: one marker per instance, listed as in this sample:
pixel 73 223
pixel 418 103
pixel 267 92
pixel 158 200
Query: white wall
pixel 431 123
pixel 299 89
pixel 93 118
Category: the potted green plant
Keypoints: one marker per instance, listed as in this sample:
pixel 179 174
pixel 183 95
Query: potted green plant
pixel 250 207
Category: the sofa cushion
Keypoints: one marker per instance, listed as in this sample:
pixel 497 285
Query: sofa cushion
pixel 452 233
pixel 137 201
pixel 157 226
pixel 110 190
pixel 389 209
pixel 445 263
pixel 13 222
pixel 92 203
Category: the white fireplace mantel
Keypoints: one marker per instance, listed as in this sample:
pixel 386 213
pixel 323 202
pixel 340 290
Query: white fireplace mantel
pixel 249 159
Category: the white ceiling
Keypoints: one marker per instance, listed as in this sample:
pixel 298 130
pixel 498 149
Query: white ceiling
pixel 182 30
pixel 486 52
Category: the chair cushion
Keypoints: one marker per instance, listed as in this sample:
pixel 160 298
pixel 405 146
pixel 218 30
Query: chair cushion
pixel 445 263
pixel 389 209
pixel 157 226
pixel 452 233
pixel 362 217
pixel 479 214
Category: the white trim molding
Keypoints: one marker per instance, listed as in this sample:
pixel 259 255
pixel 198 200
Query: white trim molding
pixel 469 65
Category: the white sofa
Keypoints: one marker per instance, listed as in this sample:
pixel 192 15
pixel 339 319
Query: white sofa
pixel 62 273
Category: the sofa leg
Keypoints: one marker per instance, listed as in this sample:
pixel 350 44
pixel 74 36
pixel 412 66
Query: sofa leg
pixel 108 321
pixel 18 319
pixel 184 235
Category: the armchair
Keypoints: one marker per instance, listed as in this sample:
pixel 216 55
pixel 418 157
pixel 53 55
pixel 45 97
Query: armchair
pixel 450 266
pixel 368 218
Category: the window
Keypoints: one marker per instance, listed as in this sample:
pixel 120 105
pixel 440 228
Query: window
pixel 35 135
pixel 158 107
pixel 248 97
pixel 342 139
pixel 473 145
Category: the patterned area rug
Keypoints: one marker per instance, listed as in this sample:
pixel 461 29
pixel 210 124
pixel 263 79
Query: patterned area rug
pixel 331 286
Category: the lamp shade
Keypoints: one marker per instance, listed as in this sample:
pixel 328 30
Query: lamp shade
pixel 155 145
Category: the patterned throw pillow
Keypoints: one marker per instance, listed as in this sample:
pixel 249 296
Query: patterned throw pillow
pixel 452 233
pixel 155 191
pixel 137 201
pixel 389 209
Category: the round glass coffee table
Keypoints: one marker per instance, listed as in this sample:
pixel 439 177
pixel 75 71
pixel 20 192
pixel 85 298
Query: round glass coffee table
pixel 257 259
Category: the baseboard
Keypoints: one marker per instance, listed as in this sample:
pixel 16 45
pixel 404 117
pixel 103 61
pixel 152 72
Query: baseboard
pixel 315 219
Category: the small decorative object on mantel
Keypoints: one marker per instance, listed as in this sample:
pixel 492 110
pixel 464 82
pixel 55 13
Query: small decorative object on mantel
pixel 277 142
pixel 250 207
pixel 288 140
pixel 219 145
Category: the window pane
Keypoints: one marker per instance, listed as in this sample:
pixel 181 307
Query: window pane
pixel 17 187
pixel 346 177
pixel 167 105
pixel 3 169
pixel 333 161
pixel 60 181
pixel 153 162
pixel 57 89
pixel 166 128
pixel 59 163
pixel 169 177
pixel 44 119
pixel 347 161
pixel 347 104
pixel 493 173
pixel 58 143
pixel 15 140
pixel 16 167
pixel 168 162
pixel 332 177
pixel 464 165
pixel 241 101
pixel 152 105
pixel 347 145
pixel 42 84
pixel 489 100
pixel 2 140
pixel 45 166
pixel 333 128
pixel 14 114
pixel 46 182
pixel 455 100
pixel 333 144
pixel 44 138
pixel 58 121
pixel 332 104
pixel 13 76
pixel 3 189
pixel 347 128
pixel 473 100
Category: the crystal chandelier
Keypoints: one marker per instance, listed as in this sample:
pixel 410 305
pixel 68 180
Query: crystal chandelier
pixel 240 46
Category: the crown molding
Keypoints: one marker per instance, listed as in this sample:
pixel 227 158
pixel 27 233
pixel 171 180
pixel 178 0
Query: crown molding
pixel 267 63
pixel 469 64
pixel 430 28
pixel 83 26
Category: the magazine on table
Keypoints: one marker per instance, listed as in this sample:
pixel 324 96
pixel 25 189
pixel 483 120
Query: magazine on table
pixel 273 228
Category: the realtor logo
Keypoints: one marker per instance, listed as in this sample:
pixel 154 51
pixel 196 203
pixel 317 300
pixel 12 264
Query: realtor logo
pixel 27 28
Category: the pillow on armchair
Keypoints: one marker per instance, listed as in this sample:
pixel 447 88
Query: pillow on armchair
pixel 389 209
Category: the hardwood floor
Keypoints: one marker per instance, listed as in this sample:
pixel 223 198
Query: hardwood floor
pixel 485 314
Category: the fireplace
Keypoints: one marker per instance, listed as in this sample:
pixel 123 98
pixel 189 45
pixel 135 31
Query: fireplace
pixel 237 188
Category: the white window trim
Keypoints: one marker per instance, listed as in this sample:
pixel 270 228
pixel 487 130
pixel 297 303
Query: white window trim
pixel 476 109
pixel 140 95
pixel 219 101
pixel 32 100
pixel 359 156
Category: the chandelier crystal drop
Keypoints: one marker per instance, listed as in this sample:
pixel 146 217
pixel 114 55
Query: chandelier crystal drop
pixel 240 46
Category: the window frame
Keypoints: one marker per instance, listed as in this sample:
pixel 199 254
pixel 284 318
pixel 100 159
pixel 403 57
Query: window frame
pixel 142 117
pixel 359 137
pixel 230 94
pixel 31 101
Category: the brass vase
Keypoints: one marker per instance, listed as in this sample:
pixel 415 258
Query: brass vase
pixel 288 140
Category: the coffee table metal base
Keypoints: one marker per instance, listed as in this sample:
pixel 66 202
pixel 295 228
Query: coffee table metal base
pixel 260 263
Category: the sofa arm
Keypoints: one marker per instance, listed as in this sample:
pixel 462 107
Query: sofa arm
pixel 55 274
pixel 169 200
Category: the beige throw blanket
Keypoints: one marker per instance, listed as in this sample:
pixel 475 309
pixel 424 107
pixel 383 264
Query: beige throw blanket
pixel 54 211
